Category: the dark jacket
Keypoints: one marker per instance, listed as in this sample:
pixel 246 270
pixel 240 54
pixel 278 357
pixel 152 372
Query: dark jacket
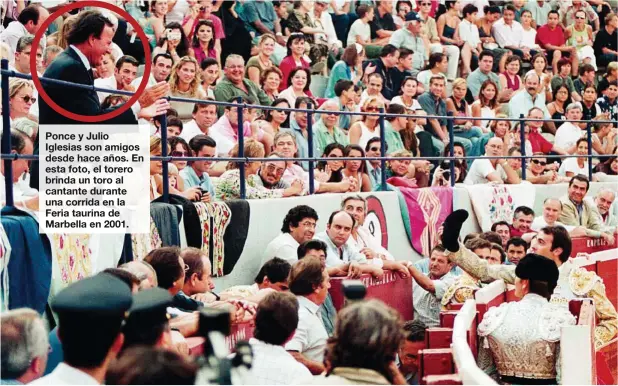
pixel 68 67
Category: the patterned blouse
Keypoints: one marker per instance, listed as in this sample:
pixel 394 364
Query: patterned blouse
pixel 228 187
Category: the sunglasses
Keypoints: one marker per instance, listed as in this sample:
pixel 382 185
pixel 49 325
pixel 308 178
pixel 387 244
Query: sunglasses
pixel 28 98
pixel 580 18
pixel 374 148
pixel 372 109
pixel 177 153
pixel 537 162
pixel 425 4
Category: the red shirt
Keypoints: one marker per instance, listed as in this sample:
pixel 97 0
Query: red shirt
pixel 286 66
pixel 539 143
pixel 545 36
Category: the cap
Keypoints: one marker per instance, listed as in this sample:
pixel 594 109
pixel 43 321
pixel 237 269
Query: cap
pixel 413 16
pixel 99 295
pixel 537 267
pixel 149 308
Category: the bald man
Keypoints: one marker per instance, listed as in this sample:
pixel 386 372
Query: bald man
pixel 492 170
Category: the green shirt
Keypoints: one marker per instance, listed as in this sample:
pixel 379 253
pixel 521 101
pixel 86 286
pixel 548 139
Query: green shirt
pixel 322 137
pixel 227 90
pixel 392 138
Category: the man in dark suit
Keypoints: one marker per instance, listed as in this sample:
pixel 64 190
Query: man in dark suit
pixel 89 40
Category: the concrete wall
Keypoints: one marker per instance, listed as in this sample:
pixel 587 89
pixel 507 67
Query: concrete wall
pixel 267 216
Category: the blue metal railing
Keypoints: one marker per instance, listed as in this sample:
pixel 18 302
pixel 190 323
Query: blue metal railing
pixel 241 159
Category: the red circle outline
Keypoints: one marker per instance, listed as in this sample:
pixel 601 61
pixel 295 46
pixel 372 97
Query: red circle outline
pixel 90 118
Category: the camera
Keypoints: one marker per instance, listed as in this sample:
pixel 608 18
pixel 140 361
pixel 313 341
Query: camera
pixel 216 368
pixel 446 169
pixel 354 290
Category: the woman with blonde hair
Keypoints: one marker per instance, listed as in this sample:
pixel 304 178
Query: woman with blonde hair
pixel 261 62
pixel 185 82
pixel 228 186
pixel 366 128
pixel 499 129
pixel 156 174
pixel 21 97
pixel 64 31
pixel 463 126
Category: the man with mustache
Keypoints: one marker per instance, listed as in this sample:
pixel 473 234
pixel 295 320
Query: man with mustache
pixel 523 101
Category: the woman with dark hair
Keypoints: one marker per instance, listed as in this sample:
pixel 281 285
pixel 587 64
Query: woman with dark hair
pixel 179 148
pixel 154 29
pixel 461 166
pixel 539 66
pixel 609 167
pixel 356 169
pixel 173 42
pixel 294 59
pixel 203 42
pixel 525 334
pixel 492 14
pixel 349 67
pixel 299 81
pixel 360 353
pixel 510 78
pixel 407 94
pixel 331 171
pixel 487 106
pixel 278 119
pixel 557 108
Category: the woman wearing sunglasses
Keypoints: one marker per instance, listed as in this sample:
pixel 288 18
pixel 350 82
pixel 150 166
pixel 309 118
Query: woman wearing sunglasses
pixel 21 98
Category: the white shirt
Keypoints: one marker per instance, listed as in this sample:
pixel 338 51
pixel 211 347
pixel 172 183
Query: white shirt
pixel 337 256
pixel 479 171
pixel 398 100
pixel 507 35
pixel 469 33
pixel 108 83
pixel 528 39
pixel 66 375
pixel 367 240
pixel 326 22
pixel 539 223
pixel 81 56
pixel 427 305
pixel 284 247
pixel 272 365
pixel 191 129
pixel 567 135
pixel 310 336
pixel 359 28
pixel 151 81
pixel 571 165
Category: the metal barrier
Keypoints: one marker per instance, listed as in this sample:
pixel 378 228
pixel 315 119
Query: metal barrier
pixel 8 158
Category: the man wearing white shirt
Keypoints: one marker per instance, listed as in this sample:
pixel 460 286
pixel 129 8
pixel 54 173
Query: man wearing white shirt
pixel 495 170
pixel 124 74
pixel 203 118
pixel 468 31
pixel 28 23
pixel 276 321
pixel 298 226
pixel 338 230
pixel 552 208
pixel 159 71
pixel 509 34
pixel 323 19
pixel 310 282
pixel 568 133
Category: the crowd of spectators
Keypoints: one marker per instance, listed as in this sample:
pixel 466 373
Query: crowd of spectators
pixel 476 60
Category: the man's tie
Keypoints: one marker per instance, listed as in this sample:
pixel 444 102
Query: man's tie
pixel 90 73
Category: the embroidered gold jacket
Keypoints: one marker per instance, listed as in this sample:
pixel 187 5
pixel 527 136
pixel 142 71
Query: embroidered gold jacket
pixel 573 282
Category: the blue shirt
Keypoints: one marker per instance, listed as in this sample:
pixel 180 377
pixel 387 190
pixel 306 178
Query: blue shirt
pixel 259 11
pixel 433 106
pixel 190 178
